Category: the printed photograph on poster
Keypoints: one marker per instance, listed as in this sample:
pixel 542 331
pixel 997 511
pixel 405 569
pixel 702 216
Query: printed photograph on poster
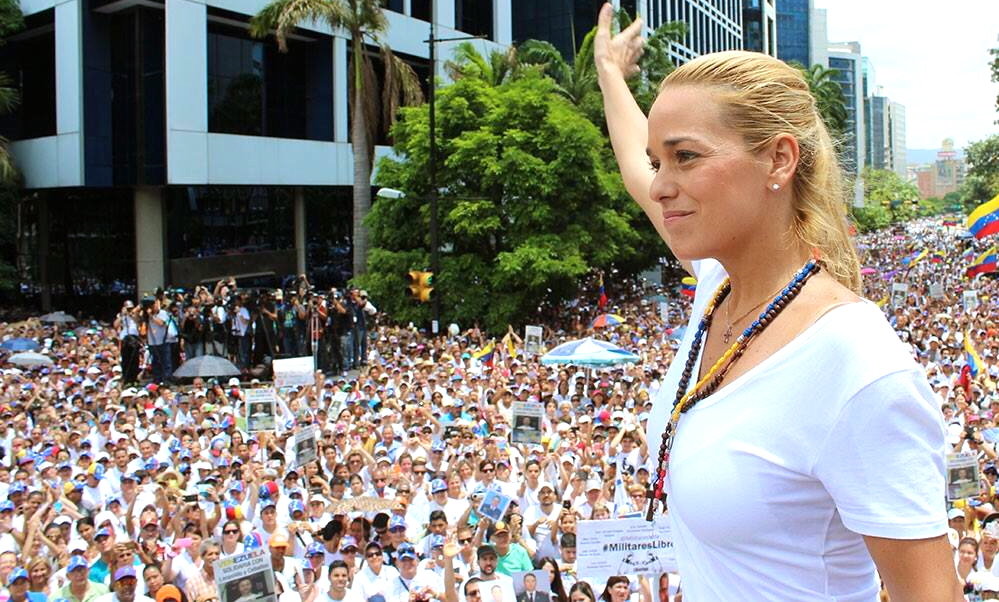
pixel 936 290
pixel 532 586
pixel 526 422
pixel 306 446
pixel 246 577
pixel 260 410
pixel 970 299
pixel 627 546
pixel 962 476
pixel 532 339
pixel 899 291
pixel 494 505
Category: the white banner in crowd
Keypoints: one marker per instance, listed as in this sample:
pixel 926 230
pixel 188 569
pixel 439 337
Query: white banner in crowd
pixel 627 546
pixel 532 339
pixel 260 404
pixel 294 372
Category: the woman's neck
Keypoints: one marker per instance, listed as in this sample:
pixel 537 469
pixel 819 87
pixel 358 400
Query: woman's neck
pixel 757 276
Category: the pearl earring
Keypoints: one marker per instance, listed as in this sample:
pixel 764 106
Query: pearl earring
pixel 775 186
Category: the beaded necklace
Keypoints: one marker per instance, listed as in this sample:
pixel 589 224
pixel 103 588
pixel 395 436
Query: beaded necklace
pixel 685 400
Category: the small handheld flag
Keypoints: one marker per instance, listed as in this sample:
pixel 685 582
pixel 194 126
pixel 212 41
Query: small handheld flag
pixel 688 286
pixel 984 220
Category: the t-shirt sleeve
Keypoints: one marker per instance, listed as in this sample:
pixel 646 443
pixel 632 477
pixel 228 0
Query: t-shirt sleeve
pixel 883 460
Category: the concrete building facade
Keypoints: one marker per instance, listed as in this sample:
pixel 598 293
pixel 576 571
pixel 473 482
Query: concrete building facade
pixel 160 143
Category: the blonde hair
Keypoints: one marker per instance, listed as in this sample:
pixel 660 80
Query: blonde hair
pixel 762 98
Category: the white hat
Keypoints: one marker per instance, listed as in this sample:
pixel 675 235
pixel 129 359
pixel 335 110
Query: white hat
pixel 201 465
pixel 594 484
pixel 233 382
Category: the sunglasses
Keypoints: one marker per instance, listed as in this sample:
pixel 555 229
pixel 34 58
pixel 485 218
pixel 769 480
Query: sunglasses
pixel 488 470
pixel 465 541
pixel 230 531
pixel 372 554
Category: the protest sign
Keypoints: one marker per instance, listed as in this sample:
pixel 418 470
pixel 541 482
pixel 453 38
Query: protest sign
pixel 306 449
pixel 532 585
pixel 969 299
pixel 532 339
pixel 260 409
pixel 962 475
pixel 526 422
pixel 494 505
pixel 294 371
pixel 627 546
pixel 899 291
pixel 246 577
pixel 936 290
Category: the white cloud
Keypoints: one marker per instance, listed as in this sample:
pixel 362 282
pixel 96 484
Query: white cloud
pixel 930 56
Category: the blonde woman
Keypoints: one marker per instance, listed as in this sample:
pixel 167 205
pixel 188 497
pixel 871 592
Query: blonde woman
pixel 789 393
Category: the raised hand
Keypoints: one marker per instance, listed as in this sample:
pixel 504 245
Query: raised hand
pixel 617 54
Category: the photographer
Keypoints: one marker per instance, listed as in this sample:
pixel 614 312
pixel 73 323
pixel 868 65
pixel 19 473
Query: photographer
pixel 239 331
pixel 192 328
pixel 290 316
pixel 127 325
pixel 335 324
pixel 157 320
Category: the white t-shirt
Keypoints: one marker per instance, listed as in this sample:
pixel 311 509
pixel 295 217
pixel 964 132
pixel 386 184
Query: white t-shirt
pixel 834 436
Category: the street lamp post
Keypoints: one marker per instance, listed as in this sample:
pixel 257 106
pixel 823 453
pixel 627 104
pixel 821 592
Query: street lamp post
pixel 433 40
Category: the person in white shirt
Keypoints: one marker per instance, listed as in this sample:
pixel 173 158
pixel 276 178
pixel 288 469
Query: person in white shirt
pixel 414 580
pixel 375 577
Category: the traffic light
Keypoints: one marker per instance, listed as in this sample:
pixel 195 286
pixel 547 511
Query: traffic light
pixel 419 285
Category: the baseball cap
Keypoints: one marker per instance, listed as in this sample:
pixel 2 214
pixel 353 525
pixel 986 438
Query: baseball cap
pixel 315 549
pixel 278 540
pixel 406 550
pixel 102 532
pixel 594 484
pixel 955 513
pixel 485 550
pixel 77 562
pixel 501 527
pixel 296 506
pixel 438 485
pixel 437 540
pixel 396 522
pixel 347 543
pixel 124 572
pixel 17 573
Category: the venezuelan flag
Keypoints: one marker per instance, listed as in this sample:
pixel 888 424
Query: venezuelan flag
pixel 915 258
pixel 984 263
pixel 938 257
pixel 688 286
pixel 975 363
pixel 486 354
pixel 984 220
pixel 602 298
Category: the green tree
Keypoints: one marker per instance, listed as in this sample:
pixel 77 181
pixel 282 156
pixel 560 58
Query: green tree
pixel 495 69
pixel 982 180
pixel 828 96
pixel 365 24
pixel 530 204
pixel 994 66
pixel 11 21
pixel 887 190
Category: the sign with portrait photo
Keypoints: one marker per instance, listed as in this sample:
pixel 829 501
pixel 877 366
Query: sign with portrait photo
pixel 494 505
pixel 306 446
pixel 260 409
pixel 969 299
pixel 962 476
pixel 899 291
pixel 532 586
pixel 532 339
pixel 246 577
pixel 526 417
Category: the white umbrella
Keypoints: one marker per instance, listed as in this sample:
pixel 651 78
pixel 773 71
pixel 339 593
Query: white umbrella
pixel 589 352
pixel 29 359
pixel 58 317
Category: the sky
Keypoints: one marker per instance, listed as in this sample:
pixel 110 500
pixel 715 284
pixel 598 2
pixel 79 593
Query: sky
pixel 932 57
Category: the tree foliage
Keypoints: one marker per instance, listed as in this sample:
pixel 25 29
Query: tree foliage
pixel 530 203
pixel 994 66
pixel 828 96
pixel 888 199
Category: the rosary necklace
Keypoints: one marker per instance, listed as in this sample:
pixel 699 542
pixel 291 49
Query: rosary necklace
pixel 703 388
pixel 727 335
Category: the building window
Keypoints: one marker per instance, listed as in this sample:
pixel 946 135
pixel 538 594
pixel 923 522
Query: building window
pixel 392 5
pixel 256 90
pixel 420 9
pixel 207 221
pixel 474 17
pixel 28 59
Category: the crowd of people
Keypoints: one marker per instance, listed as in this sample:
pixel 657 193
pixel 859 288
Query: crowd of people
pixel 133 491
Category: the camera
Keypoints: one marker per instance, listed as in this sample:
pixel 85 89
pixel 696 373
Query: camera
pixel 147 302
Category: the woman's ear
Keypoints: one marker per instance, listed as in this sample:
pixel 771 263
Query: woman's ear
pixel 784 154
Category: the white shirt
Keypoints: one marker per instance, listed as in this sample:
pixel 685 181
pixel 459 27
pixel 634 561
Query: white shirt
pixel 834 436
pixel 368 584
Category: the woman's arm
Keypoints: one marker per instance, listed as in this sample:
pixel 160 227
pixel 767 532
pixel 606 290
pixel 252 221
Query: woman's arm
pixel 916 570
pixel 616 58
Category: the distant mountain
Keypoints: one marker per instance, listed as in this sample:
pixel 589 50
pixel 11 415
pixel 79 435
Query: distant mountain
pixel 921 156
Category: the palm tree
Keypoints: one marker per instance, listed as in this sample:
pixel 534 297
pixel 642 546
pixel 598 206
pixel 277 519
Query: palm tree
pixel 828 96
pixel 495 69
pixel 366 23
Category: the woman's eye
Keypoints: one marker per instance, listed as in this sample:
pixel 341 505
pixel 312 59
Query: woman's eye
pixel 684 156
pixel 654 164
